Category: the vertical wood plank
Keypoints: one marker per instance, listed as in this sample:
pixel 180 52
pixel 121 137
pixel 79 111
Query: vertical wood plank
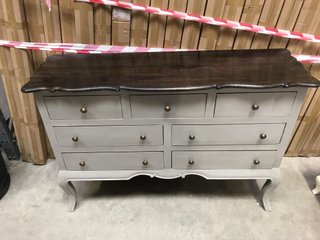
pixel 66 9
pixel 269 17
pixel 288 17
pixel 35 28
pixel 232 11
pixel 33 142
pixel 251 14
pixel 51 22
pixel 139 26
pixel 174 26
pixel 8 78
pixel 306 126
pixel 157 25
pixel 102 24
pixel 307 131
pixel 191 31
pixel 84 28
pixel 121 26
pixel 308 21
pixel 210 33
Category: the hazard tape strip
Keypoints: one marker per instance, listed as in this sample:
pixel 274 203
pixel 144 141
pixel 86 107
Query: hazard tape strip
pixel 108 49
pixel 208 20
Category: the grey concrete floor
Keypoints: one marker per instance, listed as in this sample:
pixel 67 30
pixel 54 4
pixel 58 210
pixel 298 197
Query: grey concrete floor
pixel 144 208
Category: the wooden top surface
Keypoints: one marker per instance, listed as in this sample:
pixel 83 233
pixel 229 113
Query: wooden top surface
pixel 171 71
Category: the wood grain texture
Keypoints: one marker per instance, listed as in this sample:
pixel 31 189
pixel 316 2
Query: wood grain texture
pixel 191 30
pixel 31 138
pixel 210 33
pixel 170 71
pixel 139 26
pixel 269 17
pixel 232 11
pixel 251 14
pixel 102 24
pixel 157 25
pixel 308 21
pixel 174 27
pixel 35 28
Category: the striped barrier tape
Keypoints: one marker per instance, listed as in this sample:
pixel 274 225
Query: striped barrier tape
pixel 82 48
pixel 208 20
pixel 108 49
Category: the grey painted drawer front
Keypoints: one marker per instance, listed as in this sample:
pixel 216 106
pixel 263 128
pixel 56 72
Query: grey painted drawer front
pixel 96 107
pixel 223 159
pixel 226 134
pixel 178 106
pixel 103 136
pixel 113 161
pixel 242 104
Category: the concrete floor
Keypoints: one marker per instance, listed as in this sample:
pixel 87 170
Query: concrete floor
pixel 144 208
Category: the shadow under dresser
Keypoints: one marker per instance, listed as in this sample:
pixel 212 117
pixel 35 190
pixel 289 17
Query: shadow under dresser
pixel 216 114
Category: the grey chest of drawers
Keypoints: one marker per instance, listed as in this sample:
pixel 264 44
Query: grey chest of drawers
pixel 170 115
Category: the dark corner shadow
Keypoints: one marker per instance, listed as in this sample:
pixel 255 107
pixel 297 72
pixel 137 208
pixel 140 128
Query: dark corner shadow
pixel 310 173
pixel 191 185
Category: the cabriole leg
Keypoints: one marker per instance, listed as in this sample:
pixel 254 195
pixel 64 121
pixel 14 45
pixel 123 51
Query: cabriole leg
pixel 70 190
pixel 267 189
pixel 317 189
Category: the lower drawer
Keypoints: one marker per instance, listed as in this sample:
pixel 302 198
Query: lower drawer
pixel 223 159
pixel 113 161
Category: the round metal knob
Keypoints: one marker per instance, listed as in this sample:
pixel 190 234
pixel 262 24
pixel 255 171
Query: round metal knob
pixel 255 107
pixel 192 137
pixel 145 162
pixel 191 162
pixel 167 108
pixel 75 139
pixel 256 161
pixel 143 137
pixel 263 136
pixel 82 163
pixel 83 110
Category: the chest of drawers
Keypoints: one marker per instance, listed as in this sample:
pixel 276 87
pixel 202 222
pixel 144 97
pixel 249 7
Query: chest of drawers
pixel 170 115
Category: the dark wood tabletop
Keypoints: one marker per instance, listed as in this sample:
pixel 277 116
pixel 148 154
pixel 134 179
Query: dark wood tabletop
pixel 170 71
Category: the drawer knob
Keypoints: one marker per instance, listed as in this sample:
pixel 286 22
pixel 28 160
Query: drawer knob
pixel 83 110
pixel 167 108
pixel 192 137
pixel 256 161
pixel 75 139
pixel 255 107
pixel 191 162
pixel 143 137
pixel 82 163
pixel 263 136
pixel 145 162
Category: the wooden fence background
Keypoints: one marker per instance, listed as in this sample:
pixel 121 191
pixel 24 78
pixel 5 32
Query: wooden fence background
pixel 69 21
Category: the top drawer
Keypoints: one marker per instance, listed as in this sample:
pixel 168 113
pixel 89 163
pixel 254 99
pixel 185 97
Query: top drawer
pixel 168 106
pixel 254 104
pixel 83 107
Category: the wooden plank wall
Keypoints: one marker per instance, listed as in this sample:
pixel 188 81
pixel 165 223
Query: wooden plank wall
pixel 70 21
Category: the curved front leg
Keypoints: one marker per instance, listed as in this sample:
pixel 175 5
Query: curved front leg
pixel 70 190
pixel 267 189
pixel 317 189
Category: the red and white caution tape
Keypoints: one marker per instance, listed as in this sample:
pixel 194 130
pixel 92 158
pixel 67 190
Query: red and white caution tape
pixel 209 20
pixel 307 58
pixel 108 49
pixel 82 48
pixel 48 2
